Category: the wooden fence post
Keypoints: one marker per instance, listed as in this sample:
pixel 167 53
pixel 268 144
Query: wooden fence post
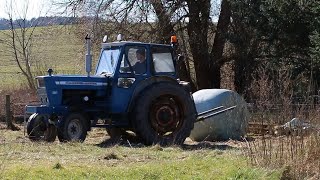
pixel 8 112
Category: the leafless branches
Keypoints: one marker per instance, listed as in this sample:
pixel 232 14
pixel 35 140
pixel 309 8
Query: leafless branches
pixel 155 21
pixel 19 40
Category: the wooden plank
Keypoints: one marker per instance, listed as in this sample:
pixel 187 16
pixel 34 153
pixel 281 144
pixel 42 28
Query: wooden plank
pixel 259 128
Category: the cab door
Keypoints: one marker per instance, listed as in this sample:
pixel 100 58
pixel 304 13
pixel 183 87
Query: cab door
pixel 133 68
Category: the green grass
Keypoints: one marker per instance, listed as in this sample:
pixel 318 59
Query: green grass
pixel 54 47
pixel 22 159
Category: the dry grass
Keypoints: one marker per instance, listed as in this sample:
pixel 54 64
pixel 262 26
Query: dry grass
pixel 299 152
pixel 99 159
pixel 300 156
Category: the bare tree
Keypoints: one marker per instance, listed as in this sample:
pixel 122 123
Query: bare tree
pixel 19 40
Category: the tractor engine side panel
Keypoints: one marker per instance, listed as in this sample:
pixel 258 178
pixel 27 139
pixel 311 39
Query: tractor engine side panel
pixel 82 98
pixel 74 92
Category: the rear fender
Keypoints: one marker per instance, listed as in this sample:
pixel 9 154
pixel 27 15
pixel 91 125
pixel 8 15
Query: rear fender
pixel 46 120
pixel 145 84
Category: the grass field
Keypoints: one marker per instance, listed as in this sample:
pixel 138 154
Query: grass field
pixel 54 47
pixel 96 158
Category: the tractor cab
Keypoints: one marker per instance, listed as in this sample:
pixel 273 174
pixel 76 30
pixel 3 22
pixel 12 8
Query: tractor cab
pixel 133 66
pixel 136 59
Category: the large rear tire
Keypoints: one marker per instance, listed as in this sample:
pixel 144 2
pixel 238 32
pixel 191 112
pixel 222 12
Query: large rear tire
pixel 73 128
pixel 39 130
pixel 164 114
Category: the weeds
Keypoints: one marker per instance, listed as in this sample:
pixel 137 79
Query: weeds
pixel 57 166
pixel 111 156
pixel 296 151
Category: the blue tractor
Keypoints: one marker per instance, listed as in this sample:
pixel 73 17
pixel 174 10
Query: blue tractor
pixel 135 88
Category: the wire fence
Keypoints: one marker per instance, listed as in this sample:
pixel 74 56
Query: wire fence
pixel 56 71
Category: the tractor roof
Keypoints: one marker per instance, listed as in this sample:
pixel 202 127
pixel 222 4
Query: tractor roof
pixel 122 43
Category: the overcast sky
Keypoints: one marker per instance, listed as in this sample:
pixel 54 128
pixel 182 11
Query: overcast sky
pixel 38 8
pixel 35 8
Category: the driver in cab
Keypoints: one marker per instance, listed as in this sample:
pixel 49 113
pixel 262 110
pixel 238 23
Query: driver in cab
pixel 140 66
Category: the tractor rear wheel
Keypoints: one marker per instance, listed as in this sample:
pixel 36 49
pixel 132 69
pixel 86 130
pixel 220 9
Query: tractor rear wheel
pixel 38 129
pixel 165 114
pixel 73 128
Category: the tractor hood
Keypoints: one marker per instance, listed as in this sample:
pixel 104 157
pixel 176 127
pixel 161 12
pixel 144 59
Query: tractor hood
pixel 51 88
pixel 72 81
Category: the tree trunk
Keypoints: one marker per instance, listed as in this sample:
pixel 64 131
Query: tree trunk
pixel 165 27
pixel 243 69
pixel 20 50
pixel 164 33
pixel 219 42
pixel 184 66
pixel 197 27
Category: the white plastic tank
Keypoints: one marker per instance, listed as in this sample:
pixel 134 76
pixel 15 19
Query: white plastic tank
pixel 231 124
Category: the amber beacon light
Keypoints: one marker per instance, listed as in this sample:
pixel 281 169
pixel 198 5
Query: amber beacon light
pixel 174 39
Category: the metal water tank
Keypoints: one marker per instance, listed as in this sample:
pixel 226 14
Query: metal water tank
pixel 231 124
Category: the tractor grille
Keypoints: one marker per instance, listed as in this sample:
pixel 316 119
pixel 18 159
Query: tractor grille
pixel 40 82
pixel 42 95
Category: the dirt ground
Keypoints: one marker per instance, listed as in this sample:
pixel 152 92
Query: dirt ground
pixel 100 136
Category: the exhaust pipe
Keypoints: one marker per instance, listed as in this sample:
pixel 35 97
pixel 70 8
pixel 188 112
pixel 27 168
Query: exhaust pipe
pixel 88 55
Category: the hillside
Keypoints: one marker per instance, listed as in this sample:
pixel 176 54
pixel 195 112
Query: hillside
pixel 40 21
pixel 56 47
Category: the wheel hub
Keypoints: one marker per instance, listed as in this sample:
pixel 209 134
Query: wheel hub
pixel 74 129
pixel 165 115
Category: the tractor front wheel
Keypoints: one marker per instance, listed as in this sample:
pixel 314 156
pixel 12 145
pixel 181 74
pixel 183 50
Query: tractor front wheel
pixel 38 128
pixel 73 128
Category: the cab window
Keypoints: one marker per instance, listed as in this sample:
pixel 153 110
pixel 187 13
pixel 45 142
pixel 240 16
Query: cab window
pixel 162 60
pixel 136 57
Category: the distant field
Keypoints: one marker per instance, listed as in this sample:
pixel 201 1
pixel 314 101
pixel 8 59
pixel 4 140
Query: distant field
pixel 56 47
pixel 96 159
